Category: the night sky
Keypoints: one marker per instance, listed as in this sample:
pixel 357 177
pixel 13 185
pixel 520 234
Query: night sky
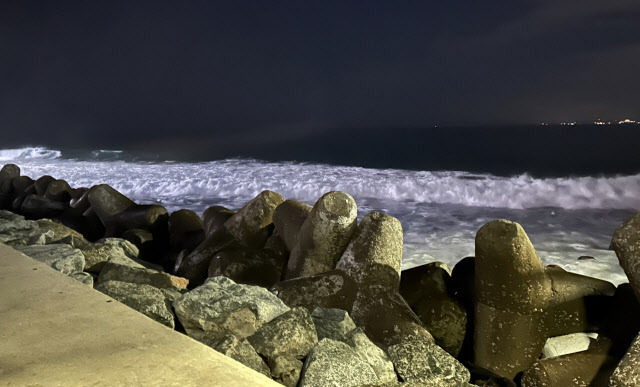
pixel 105 73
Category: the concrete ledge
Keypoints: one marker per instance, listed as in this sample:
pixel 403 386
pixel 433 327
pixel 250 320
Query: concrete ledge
pixel 55 331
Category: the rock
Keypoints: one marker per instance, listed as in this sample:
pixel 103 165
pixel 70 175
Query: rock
pixel 288 219
pixel 418 361
pixel 146 299
pixel 286 370
pixel 83 277
pixel 97 254
pixel 623 321
pixel 152 217
pixel 9 171
pixel 276 246
pixel 59 191
pixel 372 354
pixel 333 324
pixel 36 206
pixel 124 269
pixel 463 283
pixel 385 317
pixel 564 345
pixel 374 255
pixel 58 230
pixel 333 289
pixel 195 265
pixel 430 294
pixel 15 230
pixel 586 258
pixel 186 230
pixel 247 266
pixel 22 185
pixel 512 291
pixel 105 201
pixel 626 244
pixel 292 334
pixel 483 377
pixel 578 303
pixel 63 258
pixel 251 224
pixel 42 183
pixel 323 236
pixel 214 217
pixel 333 363
pixel 239 350
pixel 223 307
pixel 628 371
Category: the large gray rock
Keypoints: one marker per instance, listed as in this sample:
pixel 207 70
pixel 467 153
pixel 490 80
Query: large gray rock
pixel 424 362
pixel 239 350
pixel 83 277
pixel 97 254
pixel 195 265
pixel 63 258
pixel 374 255
pixel 333 289
pixel 373 355
pixel 292 334
pixel 286 370
pixel 15 230
pixel 250 224
pixel 58 231
pixel 626 244
pixel 512 291
pixel 9 171
pixel 334 363
pixel 222 306
pixel 125 269
pixel 106 202
pixel 247 266
pixel 628 371
pixel 214 217
pixel 288 219
pixel 332 323
pixel 186 230
pixel 59 191
pixel 38 206
pixel 146 299
pixel 323 236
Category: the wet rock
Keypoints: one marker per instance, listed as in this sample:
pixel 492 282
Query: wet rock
pixel 59 191
pixel 276 246
pixel 22 185
pixel 374 255
pixel 83 277
pixel 419 361
pixel 564 345
pixel 333 324
pixel 214 217
pixel 42 183
pixel 9 171
pixel 385 317
pixel 146 299
pixel 286 370
pixel 239 350
pixel 252 224
pixel 221 306
pixel 333 289
pixel 288 219
pixel 105 202
pixel 323 236
pixel 512 291
pixel 124 269
pixel 186 230
pixel 61 257
pixel 247 266
pixel 628 371
pixel 152 217
pixel 333 363
pixel 97 254
pixel 372 354
pixel 36 206
pixel 626 244
pixel 430 294
pixel 292 334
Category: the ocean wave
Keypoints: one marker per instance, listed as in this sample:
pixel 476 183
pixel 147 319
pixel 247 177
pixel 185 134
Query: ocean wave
pixel 29 153
pixel 241 179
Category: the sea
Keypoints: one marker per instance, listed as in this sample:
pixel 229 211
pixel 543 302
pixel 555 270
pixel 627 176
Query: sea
pixel 567 217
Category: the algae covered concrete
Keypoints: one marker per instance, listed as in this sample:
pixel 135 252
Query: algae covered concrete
pixel 56 331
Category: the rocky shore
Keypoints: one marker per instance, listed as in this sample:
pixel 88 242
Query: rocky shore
pixel 310 297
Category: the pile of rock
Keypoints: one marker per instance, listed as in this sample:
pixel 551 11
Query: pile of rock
pixel 306 295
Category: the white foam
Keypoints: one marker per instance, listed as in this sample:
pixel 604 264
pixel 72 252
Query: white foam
pixel 29 153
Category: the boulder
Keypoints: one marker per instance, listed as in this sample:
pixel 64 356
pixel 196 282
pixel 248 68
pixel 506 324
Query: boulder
pixel 374 255
pixel 97 254
pixel 417 360
pixel 247 266
pixel 429 292
pixel 214 217
pixel 83 277
pixel 239 350
pixel 124 269
pixel 146 299
pixel 333 289
pixel 288 219
pixel 152 217
pixel 61 257
pixel 323 236
pixel 372 354
pixel 512 290
pixel 59 231
pixel 286 370
pixel 9 171
pixel 105 202
pixel 221 306
pixel 628 371
pixel 42 183
pixel 22 185
pixel 37 206
pixel 626 244
pixel 566 344
pixel 385 317
pixel 252 224
pixel 292 334
pixel 186 230
pixel 15 230
pixel 331 323
pixel 59 191
pixel 334 363
pixel 276 246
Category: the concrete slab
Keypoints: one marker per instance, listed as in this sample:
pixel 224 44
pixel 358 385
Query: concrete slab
pixel 55 331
